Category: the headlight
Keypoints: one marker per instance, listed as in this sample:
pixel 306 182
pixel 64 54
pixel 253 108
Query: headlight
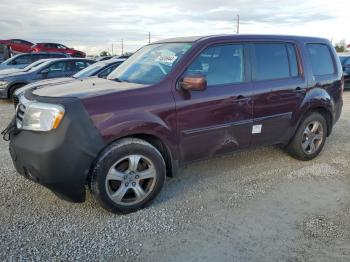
pixel 3 84
pixel 41 117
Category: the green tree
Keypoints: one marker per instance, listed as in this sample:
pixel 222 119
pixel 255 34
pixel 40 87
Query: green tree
pixel 104 53
pixel 341 46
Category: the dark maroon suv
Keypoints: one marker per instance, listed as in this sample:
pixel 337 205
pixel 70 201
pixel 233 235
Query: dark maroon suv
pixel 171 103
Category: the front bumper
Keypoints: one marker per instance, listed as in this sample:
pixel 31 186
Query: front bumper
pixel 60 159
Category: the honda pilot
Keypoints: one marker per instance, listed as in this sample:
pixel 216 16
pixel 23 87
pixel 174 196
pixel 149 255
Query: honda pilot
pixel 171 103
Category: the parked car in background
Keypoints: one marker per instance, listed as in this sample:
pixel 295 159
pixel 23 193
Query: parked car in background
pixel 345 61
pixel 27 68
pixel 173 102
pixel 52 47
pixel 53 68
pixel 99 69
pixel 18 45
pixel 103 58
pixel 22 60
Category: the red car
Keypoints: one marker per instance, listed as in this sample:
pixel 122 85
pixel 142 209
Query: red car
pixel 52 47
pixel 18 45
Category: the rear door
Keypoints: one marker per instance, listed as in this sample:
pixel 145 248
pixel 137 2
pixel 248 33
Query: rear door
pixel 218 119
pixel 279 89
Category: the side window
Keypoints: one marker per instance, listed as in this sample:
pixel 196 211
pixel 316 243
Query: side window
pixel 321 59
pixel 108 70
pixel 23 60
pixel 293 60
pixel 271 61
pixel 220 65
pixel 79 65
pixel 57 67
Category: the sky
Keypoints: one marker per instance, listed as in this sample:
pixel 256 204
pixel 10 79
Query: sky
pixel 93 26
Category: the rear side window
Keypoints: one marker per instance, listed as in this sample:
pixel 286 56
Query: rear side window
pixel 321 59
pixel 220 65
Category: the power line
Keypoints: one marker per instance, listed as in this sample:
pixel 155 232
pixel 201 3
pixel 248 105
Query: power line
pixel 237 26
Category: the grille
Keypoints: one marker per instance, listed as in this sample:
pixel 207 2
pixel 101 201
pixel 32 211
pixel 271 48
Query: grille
pixel 20 115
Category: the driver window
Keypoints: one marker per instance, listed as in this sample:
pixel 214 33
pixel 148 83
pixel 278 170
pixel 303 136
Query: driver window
pixel 220 65
pixel 57 67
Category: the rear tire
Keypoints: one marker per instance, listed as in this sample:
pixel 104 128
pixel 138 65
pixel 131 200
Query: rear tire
pixel 128 175
pixel 309 138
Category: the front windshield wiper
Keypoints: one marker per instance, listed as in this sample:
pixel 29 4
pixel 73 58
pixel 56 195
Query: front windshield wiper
pixel 118 80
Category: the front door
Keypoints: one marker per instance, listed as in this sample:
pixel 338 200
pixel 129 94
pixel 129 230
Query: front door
pixel 218 119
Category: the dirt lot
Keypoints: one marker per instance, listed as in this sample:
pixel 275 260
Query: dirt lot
pixel 258 205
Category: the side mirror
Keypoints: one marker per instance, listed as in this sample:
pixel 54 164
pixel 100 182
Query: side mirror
pixel 45 71
pixel 194 83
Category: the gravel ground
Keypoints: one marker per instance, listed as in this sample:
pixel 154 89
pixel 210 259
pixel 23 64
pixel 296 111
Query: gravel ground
pixel 259 205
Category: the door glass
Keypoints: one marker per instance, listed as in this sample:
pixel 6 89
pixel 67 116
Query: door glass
pixel 293 62
pixel 23 60
pixel 220 65
pixel 271 61
pixel 57 67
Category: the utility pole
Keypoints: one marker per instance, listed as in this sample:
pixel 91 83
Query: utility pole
pixel 122 46
pixel 149 37
pixel 237 24
pixel 112 49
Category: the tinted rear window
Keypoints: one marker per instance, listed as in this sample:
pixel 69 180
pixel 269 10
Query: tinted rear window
pixel 321 59
pixel 271 61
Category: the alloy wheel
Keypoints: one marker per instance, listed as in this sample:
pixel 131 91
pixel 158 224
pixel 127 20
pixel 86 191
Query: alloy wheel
pixel 312 137
pixel 130 180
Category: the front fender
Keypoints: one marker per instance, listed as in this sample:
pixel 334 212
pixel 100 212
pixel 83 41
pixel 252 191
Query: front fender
pixel 116 126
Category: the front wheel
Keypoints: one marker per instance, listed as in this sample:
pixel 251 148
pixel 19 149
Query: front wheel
pixel 127 175
pixel 310 138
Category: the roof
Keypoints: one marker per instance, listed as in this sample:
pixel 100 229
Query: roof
pixel 192 39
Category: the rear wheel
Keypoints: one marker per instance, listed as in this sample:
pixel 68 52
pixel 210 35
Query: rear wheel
pixel 128 175
pixel 310 137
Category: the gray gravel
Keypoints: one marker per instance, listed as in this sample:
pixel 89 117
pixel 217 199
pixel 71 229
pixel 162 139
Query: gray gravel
pixel 258 205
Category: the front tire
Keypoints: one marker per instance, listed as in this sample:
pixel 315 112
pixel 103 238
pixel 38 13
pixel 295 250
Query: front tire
pixel 128 175
pixel 309 138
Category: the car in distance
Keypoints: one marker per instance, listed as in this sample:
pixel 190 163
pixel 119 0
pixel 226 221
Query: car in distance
pixel 22 60
pixel 53 47
pixel 18 45
pixel 345 61
pixel 53 68
pixel 174 102
pixel 99 69
pixel 26 69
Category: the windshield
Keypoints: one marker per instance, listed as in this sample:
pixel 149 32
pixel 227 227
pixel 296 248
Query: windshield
pixel 150 64
pixel 90 70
